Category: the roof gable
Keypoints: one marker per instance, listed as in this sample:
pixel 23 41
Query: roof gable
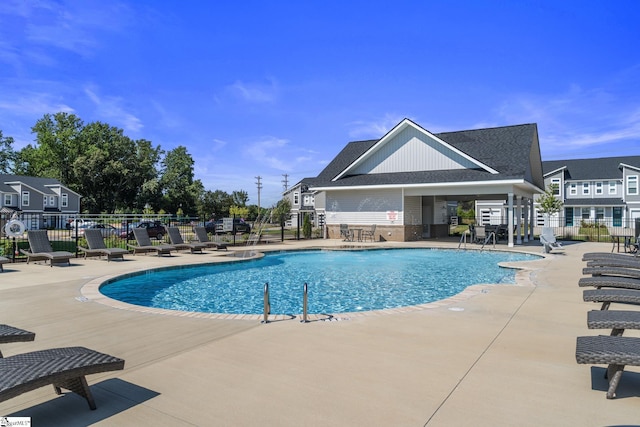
pixel 593 169
pixel 410 148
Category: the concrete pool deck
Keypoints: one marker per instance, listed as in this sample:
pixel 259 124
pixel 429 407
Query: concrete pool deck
pixel 498 356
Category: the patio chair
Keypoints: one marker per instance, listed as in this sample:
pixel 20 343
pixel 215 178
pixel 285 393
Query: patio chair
pixel 612 272
pixel 97 247
pixel 145 245
pixel 346 233
pixel 10 334
pixel 40 249
pixel 549 242
pixel 609 282
pixel 203 237
pixel 614 262
pixel 608 296
pixel 480 234
pixel 3 260
pixel 614 351
pixel 176 240
pixel 594 256
pixel 616 320
pixel 369 233
pixel 61 367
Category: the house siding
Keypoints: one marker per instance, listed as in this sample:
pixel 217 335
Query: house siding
pixel 363 207
pixel 410 151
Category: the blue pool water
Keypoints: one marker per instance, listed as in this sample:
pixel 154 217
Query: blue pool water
pixel 338 281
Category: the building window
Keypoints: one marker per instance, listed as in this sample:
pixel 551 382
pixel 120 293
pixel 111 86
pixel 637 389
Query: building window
pixel 7 199
pixel 585 188
pixel 555 185
pixel 586 213
pixel 25 198
pixel 599 189
pixel 308 200
pixel 573 189
pixel 296 198
pixel 65 200
pixel 617 216
pixel 599 213
pixel 612 187
pixel 44 200
pixel 568 217
pixel 632 184
pixel 52 201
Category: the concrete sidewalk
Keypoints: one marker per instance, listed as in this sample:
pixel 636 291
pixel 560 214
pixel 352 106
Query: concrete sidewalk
pixel 504 356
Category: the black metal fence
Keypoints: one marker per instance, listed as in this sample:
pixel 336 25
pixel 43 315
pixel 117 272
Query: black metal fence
pixel 587 229
pixel 66 232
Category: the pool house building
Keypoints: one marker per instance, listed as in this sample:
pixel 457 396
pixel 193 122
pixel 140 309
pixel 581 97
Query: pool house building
pixel 407 181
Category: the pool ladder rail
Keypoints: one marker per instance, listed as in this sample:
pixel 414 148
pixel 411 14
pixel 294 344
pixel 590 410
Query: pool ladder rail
pixel 267 304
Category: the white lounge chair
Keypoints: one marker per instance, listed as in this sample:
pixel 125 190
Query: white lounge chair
pixel 549 242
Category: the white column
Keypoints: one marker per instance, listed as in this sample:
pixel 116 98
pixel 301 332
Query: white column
pixel 531 207
pixel 526 219
pixel 510 215
pixel 519 221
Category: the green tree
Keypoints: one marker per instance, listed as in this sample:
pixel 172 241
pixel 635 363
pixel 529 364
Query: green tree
pixel 239 211
pixel 7 154
pixel 306 227
pixel 549 203
pixel 281 211
pixel 176 181
pixel 239 198
pixel 59 144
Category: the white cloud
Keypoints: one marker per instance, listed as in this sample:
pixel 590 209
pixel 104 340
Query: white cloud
pixel 33 104
pixel 110 108
pixel 257 93
pixel 578 121
pixel 373 129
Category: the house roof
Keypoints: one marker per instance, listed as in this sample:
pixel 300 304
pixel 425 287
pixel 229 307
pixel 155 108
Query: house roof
pixel 498 154
pixel 596 201
pixel 591 169
pixel 42 185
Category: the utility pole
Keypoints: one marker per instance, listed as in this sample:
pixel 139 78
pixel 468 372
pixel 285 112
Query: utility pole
pixel 259 184
pixel 285 181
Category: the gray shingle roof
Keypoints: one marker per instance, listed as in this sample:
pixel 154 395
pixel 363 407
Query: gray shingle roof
pixel 506 149
pixel 36 183
pixel 595 202
pixel 589 169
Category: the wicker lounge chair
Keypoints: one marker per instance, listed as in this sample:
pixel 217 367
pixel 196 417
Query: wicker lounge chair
pixel 3 260
pixel 61 367
pixel 176 240
pixel 590 256
pixel 616 320
pixel 145 245
pixel 40 249
pixel 609 282
pixel 95 241
pixel 614 351
pixel 203 237
pixel 608 296
pixel 614 262
pixel 612 271
pixel 10 334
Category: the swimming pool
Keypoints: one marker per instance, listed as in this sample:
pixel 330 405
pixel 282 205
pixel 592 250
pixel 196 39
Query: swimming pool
pixel 338 281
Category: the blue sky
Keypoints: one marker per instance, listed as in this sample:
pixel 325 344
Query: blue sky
pixel 259 88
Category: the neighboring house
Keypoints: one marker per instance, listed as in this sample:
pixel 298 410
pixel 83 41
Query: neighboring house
pixel 406 181
pixel 305 202
pixel 606 190
pixel 40 202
